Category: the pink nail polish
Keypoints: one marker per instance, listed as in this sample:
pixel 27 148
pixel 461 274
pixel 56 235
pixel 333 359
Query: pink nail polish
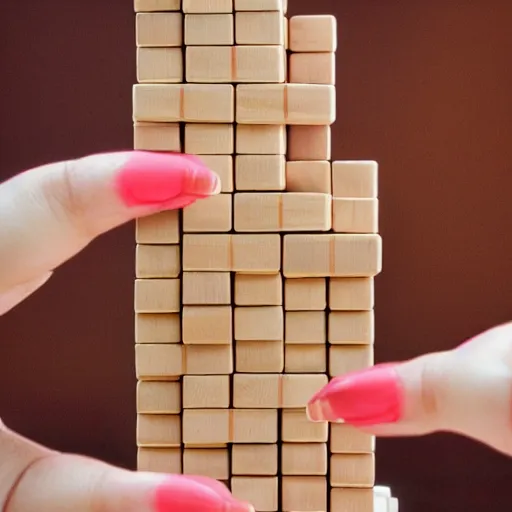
pixel 370 397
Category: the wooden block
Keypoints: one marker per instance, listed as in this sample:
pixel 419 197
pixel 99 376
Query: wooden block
pixel 157 137
pixel 207 253
pixel 259 356
pixel 351 327
pixel 209 29
pixel 258 290
pixel 304 459
pixel 159 65
pixel 258 212
pixel 159 228
pixel 297 390
pixel 259 5
pixel 157 295
pixel 312 176
pixel 159 460
pixel 309 143
pixel 207 325
pixel 359 215
pixel 207 6
pixel 305 327
pixel 157 261
pixel 261 492
pixel 313 68
pixel 352 470
pixel 256 254
pixel 206 427
pixel 307 294
pixel 357 255
pixel 305 358
pixel 157 328
pixel 351 294
pixel 347 439
pixel 157 5
pixel 306 211
pixel 208 462
pixel 191 103
pixel 251 391
pixel 206 288
pixel 260 28
pixel 254 459
pixel 222 165
pixel 155 430
pixel 208 359
pixel 304 493
pixel 206 391
pixel 296 428
pixel 159 29
pixel 158 362
pixel 355 179
pixel 260 139
pixel 313 33
pixel 291 104
pixel 158 397
pixel 260 172
pixel 264 323
pixel 350 358
pixel 251 426
pixel 360 500
pixel 209 139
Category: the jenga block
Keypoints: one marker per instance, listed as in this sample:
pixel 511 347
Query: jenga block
pixel 206 427
pixel 293 104
pixel 313 68
pixel 307 294
pixel 208 359
pixel 157 295
pixel 159 460
pixel 304 459
pixel 296 428
pixel 256 254
pixel 261 28
pixel 207 253
pixel 258 290
pixel 211 214
pixel 206 391
pixel 157 137
pixel 158 430
pixel 313 33
pixel 260 172
pixel 304 493
pixel 303 211
pixel 359 215
pixel 158 362
pixel 158 397
pixel 305 358
pixel 356 293
pixel 355 179
pixel 207 324
pixel 159 228
pixel 350 358
pixel 251 391
pixel 157 328
pixel 159 29
pixel 260 139
pixel 157 5
pixel 159 65
pixel 265 323
pixel 252 426
pixel 204 288
pixel 207 6
pixel 222 165
pixel 352 470
pixel 261 492
pixel 312 176
pixel 209 29
pixel 297 390
pixel 209 139
pixel 351 327
pixel 259 5
pixel 209 462
pixel 305 327
pixel 309 143
pixel 357 255
pixel 254 459
pixel 259 356
pixel 360 500
pixel 191 103
pixel 157 261
pixel 347 439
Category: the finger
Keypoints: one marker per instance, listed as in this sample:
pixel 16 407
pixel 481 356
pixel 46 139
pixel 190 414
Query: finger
pixel 49 214
pixel 18 294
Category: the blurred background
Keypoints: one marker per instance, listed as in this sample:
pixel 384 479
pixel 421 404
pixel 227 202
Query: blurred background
pixel 424 87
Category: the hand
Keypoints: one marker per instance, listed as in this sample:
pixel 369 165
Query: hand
pixel 47 215
pixel 466 391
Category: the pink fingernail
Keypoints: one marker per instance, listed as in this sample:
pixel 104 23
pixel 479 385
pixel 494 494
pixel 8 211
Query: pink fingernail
pixel 369 397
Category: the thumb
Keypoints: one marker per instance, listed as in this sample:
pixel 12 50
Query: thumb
pixel 467 391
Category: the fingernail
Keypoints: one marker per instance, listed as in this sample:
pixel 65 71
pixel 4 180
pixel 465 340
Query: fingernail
pixel 369 397
pixel 164 179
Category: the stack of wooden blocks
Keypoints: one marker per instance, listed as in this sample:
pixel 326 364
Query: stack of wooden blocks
pixel 247 302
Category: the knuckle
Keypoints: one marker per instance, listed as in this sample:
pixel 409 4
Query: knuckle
pixel 432 392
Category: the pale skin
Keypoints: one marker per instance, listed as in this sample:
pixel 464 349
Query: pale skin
pixel 467 390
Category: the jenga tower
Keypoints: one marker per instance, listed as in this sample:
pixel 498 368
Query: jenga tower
pixel 249 301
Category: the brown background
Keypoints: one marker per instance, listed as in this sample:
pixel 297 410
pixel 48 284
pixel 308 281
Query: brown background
pixel 423 87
